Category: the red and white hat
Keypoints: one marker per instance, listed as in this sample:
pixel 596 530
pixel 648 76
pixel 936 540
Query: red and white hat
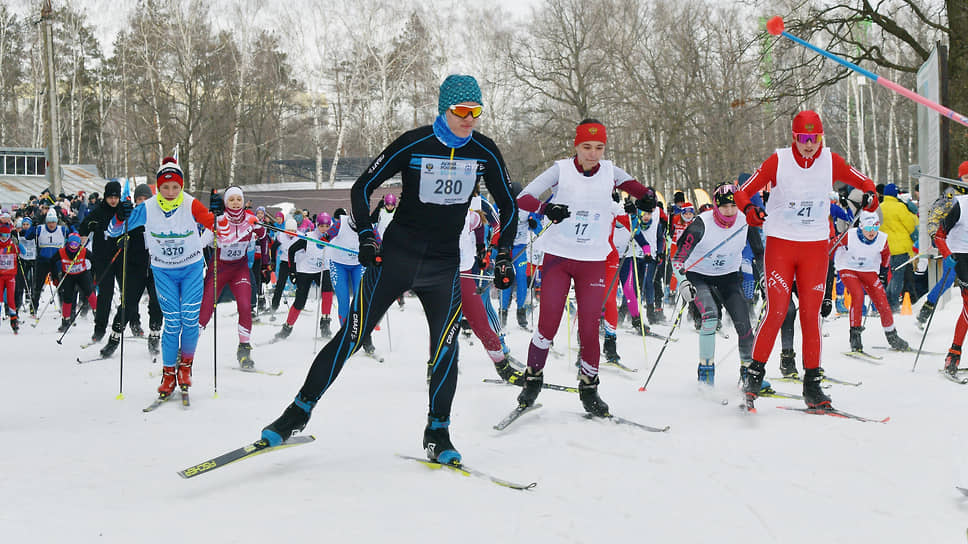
pixel 170 171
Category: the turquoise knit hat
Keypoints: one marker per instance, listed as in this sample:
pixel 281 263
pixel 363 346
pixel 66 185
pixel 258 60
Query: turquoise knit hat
pixel 456 89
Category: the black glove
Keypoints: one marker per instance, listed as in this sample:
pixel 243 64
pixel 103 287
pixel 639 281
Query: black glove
pixel 868 197
pixel 826 307
pixel 532 223
pixel 480 257
pixel 503 269
pixel 215 204
pixel 884 275
pixel 630 208
pixel 370 254
pixel 557 212
pixel 647 202
pixel 124 210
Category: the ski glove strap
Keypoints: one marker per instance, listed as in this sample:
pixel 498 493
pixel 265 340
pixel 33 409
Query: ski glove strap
pixel 370 254
pixel 503 269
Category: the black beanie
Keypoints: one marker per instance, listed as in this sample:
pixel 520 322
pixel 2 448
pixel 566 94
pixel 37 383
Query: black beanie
pixel 112 188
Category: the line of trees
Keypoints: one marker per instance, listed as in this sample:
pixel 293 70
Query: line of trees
pixel 693 91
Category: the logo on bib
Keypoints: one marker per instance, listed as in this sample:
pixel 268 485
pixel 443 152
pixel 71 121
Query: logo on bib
pixel 429 166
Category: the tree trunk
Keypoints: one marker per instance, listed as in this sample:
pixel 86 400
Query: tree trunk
pixel 957 82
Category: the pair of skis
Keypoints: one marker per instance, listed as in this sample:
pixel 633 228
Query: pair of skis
pixel 522 409
pixel 833 412
pixel 262 446
pixel 186 402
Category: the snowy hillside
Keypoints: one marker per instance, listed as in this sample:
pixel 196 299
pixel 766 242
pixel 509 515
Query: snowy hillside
pixel 80 465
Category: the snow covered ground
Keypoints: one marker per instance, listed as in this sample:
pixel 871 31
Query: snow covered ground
pixel 80 465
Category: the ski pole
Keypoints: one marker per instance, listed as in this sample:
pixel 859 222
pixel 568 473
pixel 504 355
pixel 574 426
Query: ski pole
pixel 836 243
pixel 916 257
pixel 666 343
pixel 319 303
pixel 124 303
pixel 775 26
pixel 96 286
pixel 944 278
pixel 308 239
pixel 216 293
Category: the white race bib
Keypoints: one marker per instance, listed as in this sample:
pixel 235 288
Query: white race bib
pixel 234 251
pixel 447 182
pixel 805 212
pixel 584 226
pixel 7 261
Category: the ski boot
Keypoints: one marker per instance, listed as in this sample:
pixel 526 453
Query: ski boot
pixel 752 378
pixel 926 310
pixel 522 315
pixel 951 361
pixel 324 330
pixel 788 364
pixel 533 380
pixel 507 372
pixel 154 342
pixel 707 372
pixel 185 373
pixel 659 315
pixel 168 381
pixel 856 344
pixel 15 324
pixel 841 307
pixel 284 332
pixel 813 395
pixel 503 315
pixel 368 345
pixel 136 330
pixel 437 444
pixel 98 335
pixel 465 327
pixel 65 324
pixel 292 420
pixel 588 393
pixel 609 349
pixel 638 326
pixel 244 355
pixel 113 342
pixel 895 341
pixel 84 309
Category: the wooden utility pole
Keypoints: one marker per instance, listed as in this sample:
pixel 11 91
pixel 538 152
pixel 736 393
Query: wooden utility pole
pixel 53 130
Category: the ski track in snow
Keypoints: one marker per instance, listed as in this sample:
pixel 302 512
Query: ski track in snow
pixel 103 471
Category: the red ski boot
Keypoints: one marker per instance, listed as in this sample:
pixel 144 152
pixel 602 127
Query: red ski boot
pixel 185 373
pixel 167 382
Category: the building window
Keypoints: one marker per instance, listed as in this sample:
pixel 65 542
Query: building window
pixel 41 166
pixel 21 165
pixel 10 162
pixel 31 166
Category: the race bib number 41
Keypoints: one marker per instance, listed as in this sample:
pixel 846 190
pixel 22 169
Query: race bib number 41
pixel 446 182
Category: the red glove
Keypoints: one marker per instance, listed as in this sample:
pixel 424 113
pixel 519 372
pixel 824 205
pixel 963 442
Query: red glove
pixel 251 219
pixel 755 215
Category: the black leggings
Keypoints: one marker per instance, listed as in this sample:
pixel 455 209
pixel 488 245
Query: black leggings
pixel 281 281
pixel 431 272
pixel 106 276
pixel 138 281
pixel 72 284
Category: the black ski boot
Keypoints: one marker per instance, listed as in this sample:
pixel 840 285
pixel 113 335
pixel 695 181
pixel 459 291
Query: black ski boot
pixel 895 341
pixel 324 330
pixel 788 364
pixel 650 315
pixel 522 315
pixel 154 342
pixel 856 344
pixel 507 372
pixel 532 386
pixel 291 421
pixel 284 332
pixel 659 314
pixel 503 314
pixel 113 342
pixel 588 393
pixel 926 310
pixel 15 323
pixel 97 336
pixel 608 347
pixel 136 329
pixel 638 327
pixel 244 355
pixel 753 378
pixel 813 395
pixel 437 444
pixel 65 324
pixel 951 361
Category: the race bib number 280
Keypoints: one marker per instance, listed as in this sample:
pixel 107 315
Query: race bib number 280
pixel 446 182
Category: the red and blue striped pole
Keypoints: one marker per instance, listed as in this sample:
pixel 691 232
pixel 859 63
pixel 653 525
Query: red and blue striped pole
pixel 775 26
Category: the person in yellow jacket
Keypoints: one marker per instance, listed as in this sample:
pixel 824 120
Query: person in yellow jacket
pixel 898 223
